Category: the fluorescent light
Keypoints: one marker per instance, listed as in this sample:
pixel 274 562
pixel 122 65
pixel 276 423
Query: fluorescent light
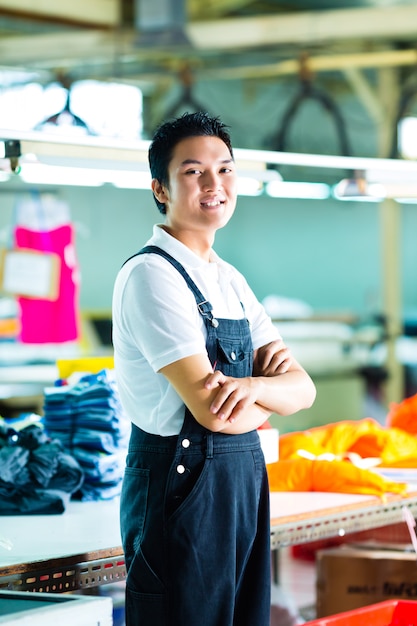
pixel 406 200
pixel 130 179
pixel 325 161
pixel 353 188
pixel 357 198
pixel 392 184
pixel 41 174
pixel 87 156
pixel 104 148
pixel 393 190
pixel 250 181
pixel 377 190
pixel 359 190
pixel 356 189
pixel 258 171
pixel 397 176
pixel 407 137
pixel 313 191
pixel 248 186
pixel 2 150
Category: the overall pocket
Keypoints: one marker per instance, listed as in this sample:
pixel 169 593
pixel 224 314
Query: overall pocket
pixel 234 357
pixel 145 596
pixel 133 504
pixel 145 592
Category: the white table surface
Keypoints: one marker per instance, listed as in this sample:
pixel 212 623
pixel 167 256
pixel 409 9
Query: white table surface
pixel 292 503
pixel 93 526
pixel 84 527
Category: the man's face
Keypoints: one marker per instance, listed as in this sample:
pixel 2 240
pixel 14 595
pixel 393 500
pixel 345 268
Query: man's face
pixel 202 186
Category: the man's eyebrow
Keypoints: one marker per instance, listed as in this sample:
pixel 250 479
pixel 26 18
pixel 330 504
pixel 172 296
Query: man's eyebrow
pixel 197 162
pixel 189 161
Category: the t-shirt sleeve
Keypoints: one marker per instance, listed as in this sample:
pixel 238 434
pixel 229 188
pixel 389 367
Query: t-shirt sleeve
pixel 159 313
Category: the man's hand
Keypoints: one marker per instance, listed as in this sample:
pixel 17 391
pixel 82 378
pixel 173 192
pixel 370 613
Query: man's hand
pixel 272 359
pixel 234 395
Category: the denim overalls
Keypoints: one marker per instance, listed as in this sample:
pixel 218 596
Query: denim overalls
pixel 195 509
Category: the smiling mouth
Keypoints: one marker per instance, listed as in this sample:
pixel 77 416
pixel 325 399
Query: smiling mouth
pixel 213 203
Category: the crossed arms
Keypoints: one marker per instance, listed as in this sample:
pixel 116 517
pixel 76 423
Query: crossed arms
pixel 237 405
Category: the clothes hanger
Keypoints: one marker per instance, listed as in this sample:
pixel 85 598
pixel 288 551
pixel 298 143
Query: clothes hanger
pixel 186 98
pixel 308 91
pixel 65 117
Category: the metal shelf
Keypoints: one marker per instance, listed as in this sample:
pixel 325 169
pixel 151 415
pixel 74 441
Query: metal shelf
pixel 308 517
pixel 66 574
pixel 340 521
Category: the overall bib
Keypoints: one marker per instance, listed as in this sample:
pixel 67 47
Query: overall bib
pixel 195 509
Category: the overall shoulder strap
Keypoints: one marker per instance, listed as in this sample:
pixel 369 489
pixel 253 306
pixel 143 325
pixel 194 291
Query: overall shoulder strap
pixel 203 305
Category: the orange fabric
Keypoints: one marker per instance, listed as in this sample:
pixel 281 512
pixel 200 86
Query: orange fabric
pixel 404 415
pixel 390 445
pixel 365 437
pixel 335 438
pixel 334 476
pixel 330 457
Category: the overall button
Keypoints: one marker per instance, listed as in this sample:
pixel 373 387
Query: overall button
pixel 233 356
pixel 185 443
pixel 180 469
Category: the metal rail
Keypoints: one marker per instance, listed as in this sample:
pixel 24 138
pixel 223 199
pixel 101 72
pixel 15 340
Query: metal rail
pixel 66 574
pixel 92 569
pixel 338 524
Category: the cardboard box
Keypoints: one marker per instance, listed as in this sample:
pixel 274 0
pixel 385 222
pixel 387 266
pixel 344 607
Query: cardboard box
pixel 349 577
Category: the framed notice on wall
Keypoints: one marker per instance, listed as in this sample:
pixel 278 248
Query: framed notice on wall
pixel 30 273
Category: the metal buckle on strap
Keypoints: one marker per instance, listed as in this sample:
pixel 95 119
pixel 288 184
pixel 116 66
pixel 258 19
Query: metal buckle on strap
pixel 204 307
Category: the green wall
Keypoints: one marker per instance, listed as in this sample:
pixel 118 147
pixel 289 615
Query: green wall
pixel 326 253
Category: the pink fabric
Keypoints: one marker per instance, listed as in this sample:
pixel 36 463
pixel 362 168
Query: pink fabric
pixel 46 321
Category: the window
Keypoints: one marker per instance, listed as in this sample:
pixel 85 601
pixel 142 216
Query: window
pixel 107 109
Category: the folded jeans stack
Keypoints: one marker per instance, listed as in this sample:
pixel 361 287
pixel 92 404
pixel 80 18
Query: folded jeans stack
pixel 87 417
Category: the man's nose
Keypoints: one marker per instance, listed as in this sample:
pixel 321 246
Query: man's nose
pixel 211 181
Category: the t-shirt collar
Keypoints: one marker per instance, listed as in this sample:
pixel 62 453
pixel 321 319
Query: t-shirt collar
pixel 178 250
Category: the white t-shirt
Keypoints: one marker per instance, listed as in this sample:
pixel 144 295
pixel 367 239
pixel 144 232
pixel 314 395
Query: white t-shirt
pixel 156 322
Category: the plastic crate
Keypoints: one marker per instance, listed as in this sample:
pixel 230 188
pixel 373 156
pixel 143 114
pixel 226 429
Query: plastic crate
pixel 388 613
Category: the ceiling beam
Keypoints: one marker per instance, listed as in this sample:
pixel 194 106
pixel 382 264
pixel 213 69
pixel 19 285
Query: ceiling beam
pixel 65 51
pixel 366 94
pixel 310 27
pixel 319 63
pixel 214 8
pixel 103 13
pixel 100 48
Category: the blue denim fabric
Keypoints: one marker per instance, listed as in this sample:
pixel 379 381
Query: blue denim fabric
pixel 195 512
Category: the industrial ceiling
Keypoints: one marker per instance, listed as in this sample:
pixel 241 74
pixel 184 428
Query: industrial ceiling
pixel 150 41
pixel 157 43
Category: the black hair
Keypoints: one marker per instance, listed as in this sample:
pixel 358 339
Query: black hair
pixel 170 133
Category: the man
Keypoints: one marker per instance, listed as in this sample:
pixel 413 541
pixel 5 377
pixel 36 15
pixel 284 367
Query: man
pixel 200 367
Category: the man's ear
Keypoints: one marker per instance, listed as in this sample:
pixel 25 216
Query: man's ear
pixel 159 190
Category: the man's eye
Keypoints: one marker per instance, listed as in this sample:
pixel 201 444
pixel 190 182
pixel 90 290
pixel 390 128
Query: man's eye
pixel 192 172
